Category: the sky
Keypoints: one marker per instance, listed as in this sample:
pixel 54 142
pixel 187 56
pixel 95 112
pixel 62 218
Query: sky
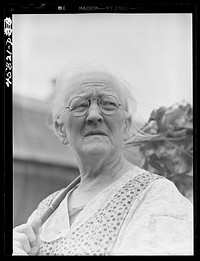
pixel 153 52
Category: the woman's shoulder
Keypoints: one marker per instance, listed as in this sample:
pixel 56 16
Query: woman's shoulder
pixel 143 176
pixel 158 186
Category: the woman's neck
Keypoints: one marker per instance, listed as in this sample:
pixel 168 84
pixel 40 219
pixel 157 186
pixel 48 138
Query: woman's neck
pixel 102 173
pixel 94 180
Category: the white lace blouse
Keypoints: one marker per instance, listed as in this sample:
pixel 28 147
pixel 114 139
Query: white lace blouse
pixel 139 214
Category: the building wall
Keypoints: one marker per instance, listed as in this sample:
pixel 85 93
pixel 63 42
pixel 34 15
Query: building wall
pixel 33 181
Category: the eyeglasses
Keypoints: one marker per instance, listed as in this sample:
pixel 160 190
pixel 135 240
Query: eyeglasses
pixel 79 105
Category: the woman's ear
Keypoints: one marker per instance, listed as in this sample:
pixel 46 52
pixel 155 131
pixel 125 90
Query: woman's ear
pixel 59 127
pixel 127 129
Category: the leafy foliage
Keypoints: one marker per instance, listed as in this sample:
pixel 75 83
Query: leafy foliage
pixel 167 149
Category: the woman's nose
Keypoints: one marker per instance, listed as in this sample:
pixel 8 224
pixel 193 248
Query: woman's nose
pixel 94 114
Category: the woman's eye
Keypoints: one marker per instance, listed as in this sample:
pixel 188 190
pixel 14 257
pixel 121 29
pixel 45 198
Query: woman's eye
pixel 83 105
pixel 79 106
pixel 108 104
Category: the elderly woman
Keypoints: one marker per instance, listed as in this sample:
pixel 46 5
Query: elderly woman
pixel 113 207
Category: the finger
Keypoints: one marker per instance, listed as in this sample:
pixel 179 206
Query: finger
pixel 17 245
pixel 36 247
pixel 28 230
pixel 22 239
pixel 36 225
pixel 34 251
pixel 18 249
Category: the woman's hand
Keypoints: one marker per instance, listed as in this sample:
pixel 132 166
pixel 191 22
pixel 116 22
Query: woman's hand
pixel 26 239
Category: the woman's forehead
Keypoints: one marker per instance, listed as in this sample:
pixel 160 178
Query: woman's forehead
pixel 92 82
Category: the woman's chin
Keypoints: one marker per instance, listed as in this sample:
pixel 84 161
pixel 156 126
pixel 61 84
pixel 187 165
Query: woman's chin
pixel 96 149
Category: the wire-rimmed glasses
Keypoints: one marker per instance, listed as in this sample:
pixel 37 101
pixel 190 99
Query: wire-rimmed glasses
pixel 79 105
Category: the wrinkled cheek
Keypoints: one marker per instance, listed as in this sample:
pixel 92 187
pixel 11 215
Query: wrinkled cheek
pixel 73 130
pixel 119 127
pixel 69 123
pixel 117 138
